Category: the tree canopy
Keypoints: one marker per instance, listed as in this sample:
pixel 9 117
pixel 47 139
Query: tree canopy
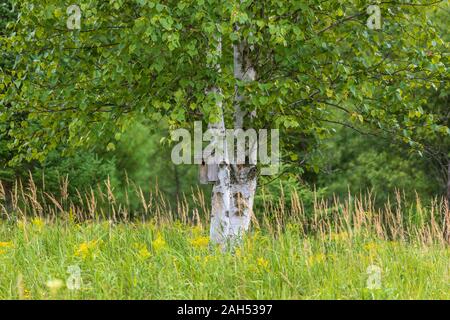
pixel 317 63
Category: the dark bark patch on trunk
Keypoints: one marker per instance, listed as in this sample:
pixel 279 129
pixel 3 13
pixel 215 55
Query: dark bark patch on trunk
pixel 241 204
pixel 243 173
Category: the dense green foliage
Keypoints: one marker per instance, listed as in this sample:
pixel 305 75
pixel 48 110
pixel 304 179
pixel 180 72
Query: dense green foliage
pixel 95 102
pixel 354 163
pixel 152 61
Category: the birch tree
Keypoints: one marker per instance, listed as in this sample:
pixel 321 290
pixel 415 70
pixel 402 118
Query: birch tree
pixel 295 66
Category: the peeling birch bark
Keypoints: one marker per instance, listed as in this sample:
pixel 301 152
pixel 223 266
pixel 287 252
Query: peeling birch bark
pixel 234 192
pixel 221 193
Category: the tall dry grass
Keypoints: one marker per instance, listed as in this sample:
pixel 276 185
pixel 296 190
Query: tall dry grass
pixel 397 220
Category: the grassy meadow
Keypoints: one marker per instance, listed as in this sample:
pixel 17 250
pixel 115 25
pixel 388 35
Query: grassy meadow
pixel 334 250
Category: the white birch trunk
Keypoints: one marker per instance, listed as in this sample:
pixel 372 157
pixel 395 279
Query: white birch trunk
pixel 233 194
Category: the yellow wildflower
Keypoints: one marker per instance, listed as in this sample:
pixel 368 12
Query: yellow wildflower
pixel 262 263
pixel 159 243
pixel 38 223
pixel 316 259
pixel 86 249
pixel 371 246
pixel 143 252
pixel 200 242
pixel 4 246
pixel 26 294
pixel 7 244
